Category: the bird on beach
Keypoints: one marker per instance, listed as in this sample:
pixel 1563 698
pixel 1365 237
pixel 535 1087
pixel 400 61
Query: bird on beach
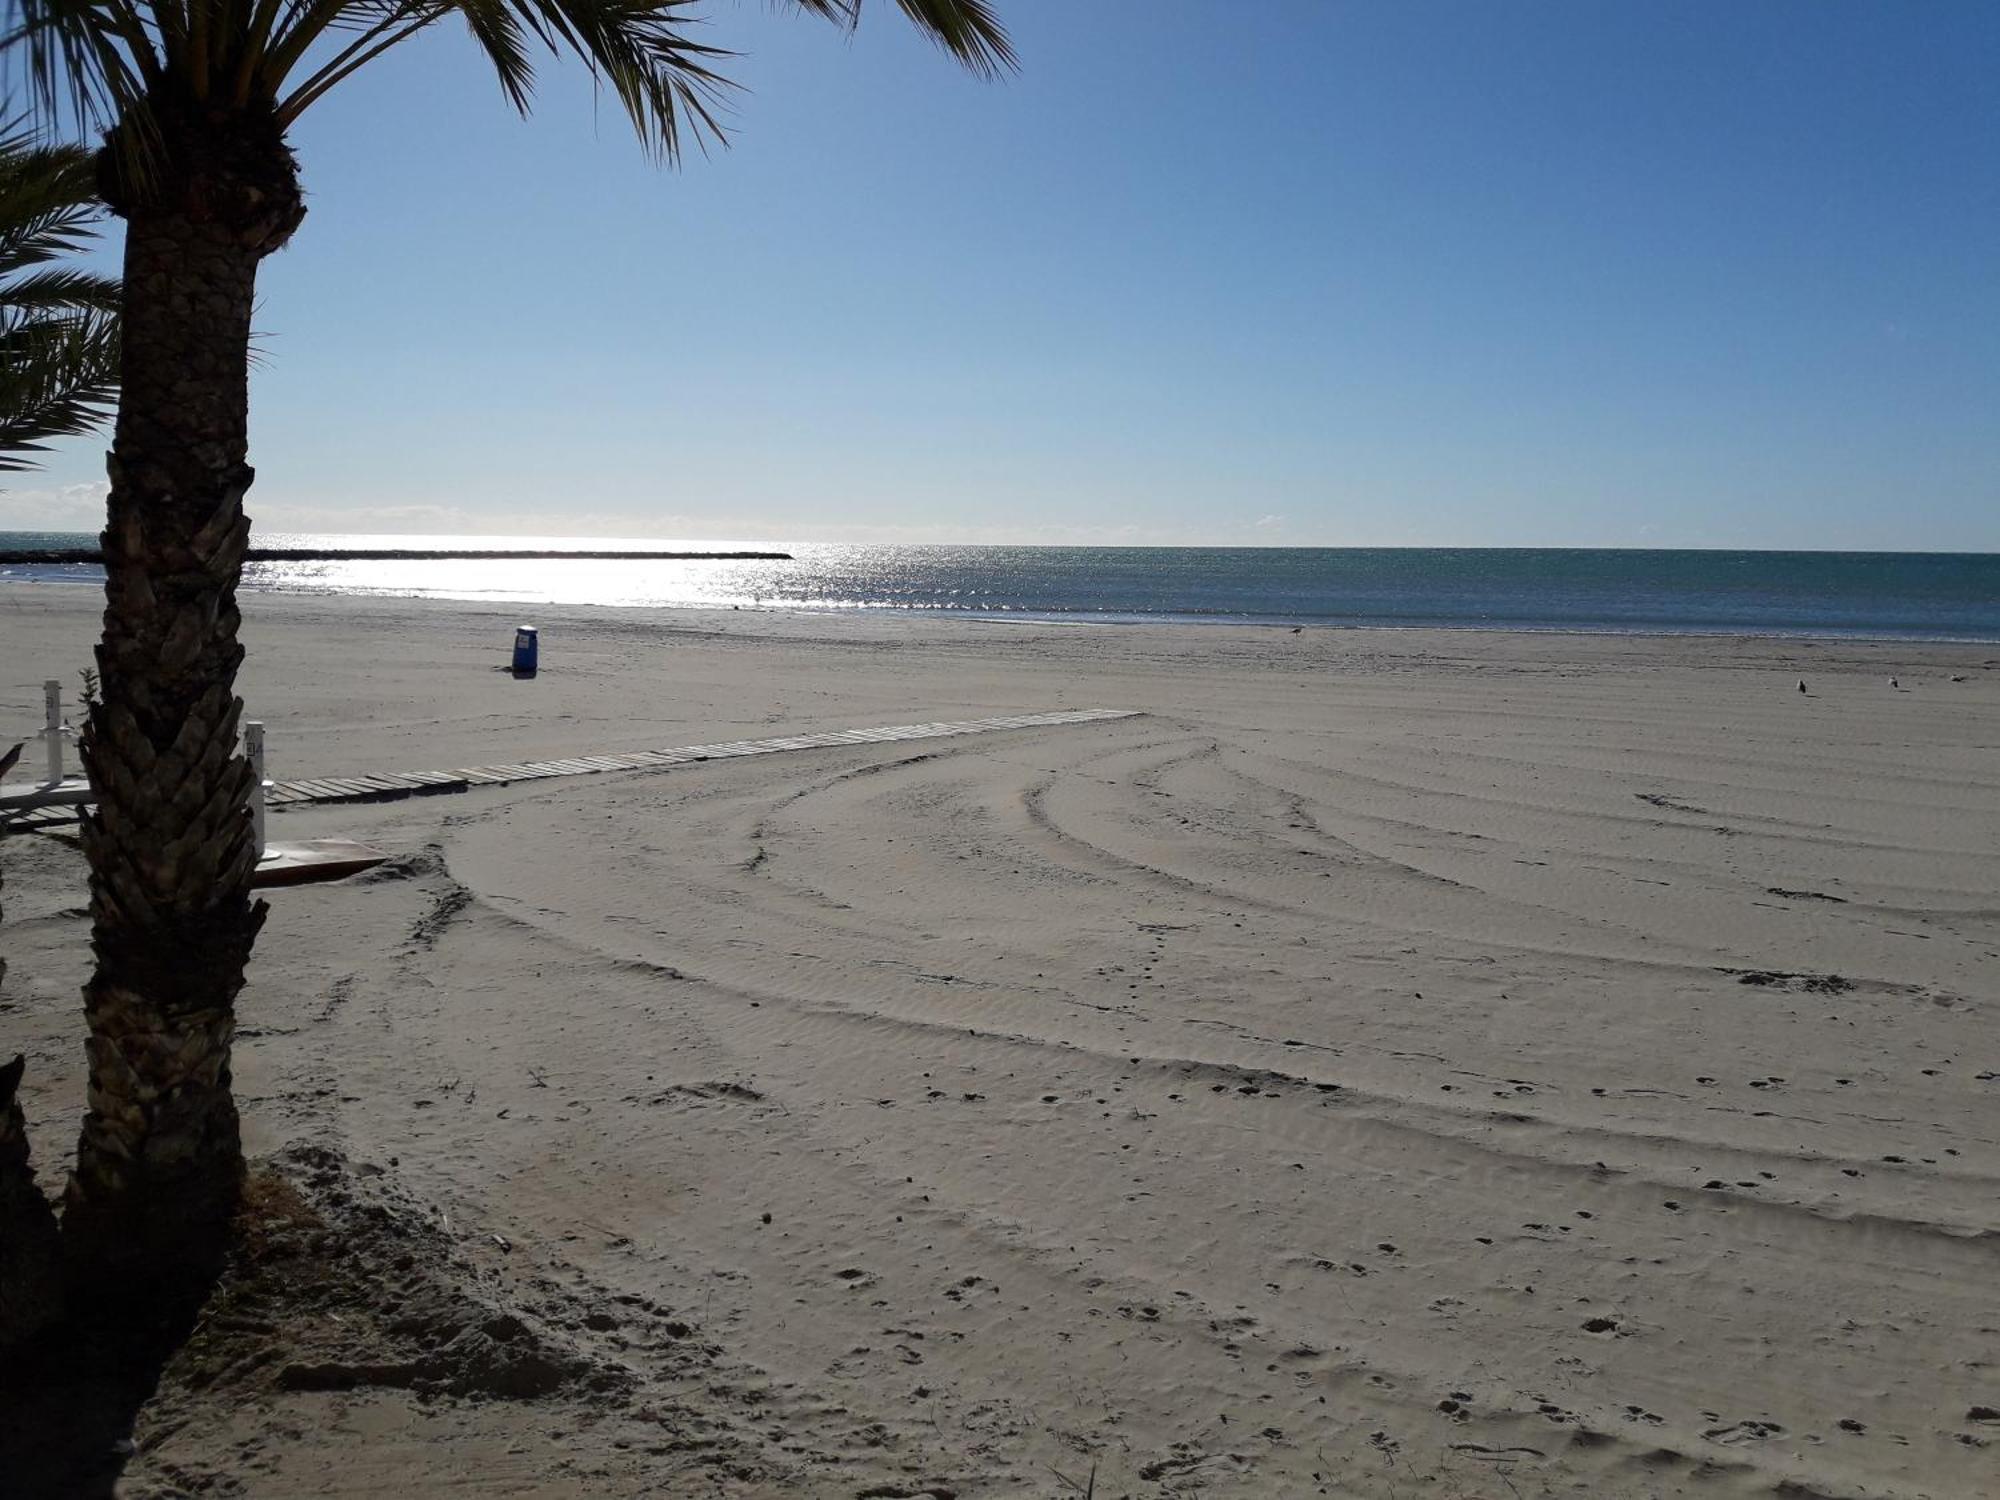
pixel 1895 684
pixel 1802 684
pixel 11 759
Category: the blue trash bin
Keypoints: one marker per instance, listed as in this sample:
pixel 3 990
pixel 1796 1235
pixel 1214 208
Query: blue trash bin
pixel 527 651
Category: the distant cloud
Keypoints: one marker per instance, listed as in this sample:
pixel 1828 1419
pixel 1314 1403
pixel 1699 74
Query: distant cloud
pixel 681 526
pixel 80 507
pixel 394 520
pixel 68 507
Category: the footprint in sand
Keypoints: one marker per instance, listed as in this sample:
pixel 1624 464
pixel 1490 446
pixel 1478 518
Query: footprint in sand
pixel 1748 1431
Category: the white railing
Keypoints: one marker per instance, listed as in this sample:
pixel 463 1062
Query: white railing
pixel 58 789
pixel 54 730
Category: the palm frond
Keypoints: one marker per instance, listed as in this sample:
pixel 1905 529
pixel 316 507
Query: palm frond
pixel 501 35
pixel 30 239
pixel 377 28
pixel 106 61
pixel 645 52
pixel 58 324
pixel 47 198
pixel 967 29
pixel 58 378
pixel 61 289
pixel 86 63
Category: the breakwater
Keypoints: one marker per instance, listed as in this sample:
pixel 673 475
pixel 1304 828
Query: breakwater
pixel 408 554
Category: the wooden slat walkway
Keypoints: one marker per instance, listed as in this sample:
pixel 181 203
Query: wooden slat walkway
pixel 394 787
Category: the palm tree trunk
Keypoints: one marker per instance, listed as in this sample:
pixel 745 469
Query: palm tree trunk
pixel 170 846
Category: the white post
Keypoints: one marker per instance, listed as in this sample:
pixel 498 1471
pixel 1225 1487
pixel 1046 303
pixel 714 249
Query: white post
pixel 253 746
pixel 52 696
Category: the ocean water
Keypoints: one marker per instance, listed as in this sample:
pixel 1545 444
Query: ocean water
pixel 1938 596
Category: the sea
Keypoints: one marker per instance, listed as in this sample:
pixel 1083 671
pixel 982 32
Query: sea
pixel 1887 595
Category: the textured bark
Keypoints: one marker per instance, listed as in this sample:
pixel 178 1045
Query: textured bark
pixel 30 1286
pixel 171 852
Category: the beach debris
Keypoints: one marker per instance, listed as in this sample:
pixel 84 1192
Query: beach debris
pixel 1779 890
pixel 1811 984
pixel 1660 799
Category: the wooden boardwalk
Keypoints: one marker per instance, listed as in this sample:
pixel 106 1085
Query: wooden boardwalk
pixel 393 786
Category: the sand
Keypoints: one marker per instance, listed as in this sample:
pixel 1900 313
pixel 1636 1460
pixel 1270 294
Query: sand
pixel 1392 1064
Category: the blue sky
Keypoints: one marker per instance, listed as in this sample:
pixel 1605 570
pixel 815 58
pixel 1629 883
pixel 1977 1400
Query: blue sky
pixel 1543 272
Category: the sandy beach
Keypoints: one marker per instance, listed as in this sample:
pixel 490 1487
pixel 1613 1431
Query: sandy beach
pixel 1390 1064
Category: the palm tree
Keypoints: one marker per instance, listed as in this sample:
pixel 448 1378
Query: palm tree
pixel 58 324
pixel 197 97
pixel 58 374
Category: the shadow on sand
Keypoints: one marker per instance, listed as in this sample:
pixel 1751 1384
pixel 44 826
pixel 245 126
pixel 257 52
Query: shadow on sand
pixel 72 1397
